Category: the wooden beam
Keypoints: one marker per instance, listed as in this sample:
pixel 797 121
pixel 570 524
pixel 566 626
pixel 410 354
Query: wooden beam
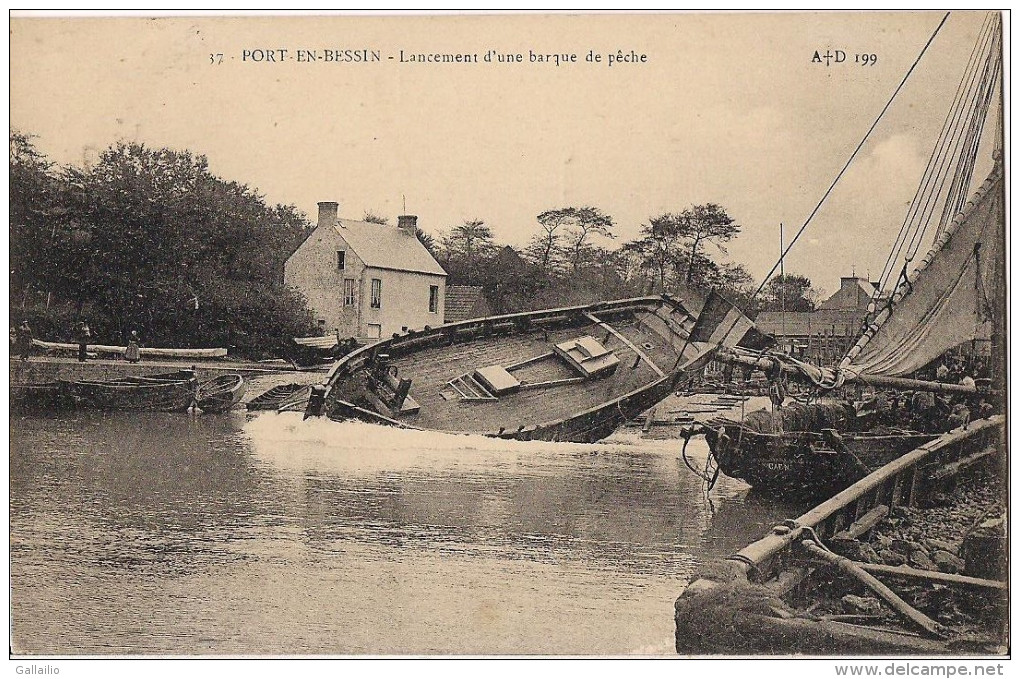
pixel 594 319
pixel 528 361
pixel 863 524
pixel 932 576
pixel 954 468
pixel 852 568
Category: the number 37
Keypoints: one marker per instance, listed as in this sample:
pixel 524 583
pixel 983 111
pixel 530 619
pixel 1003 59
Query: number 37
pixel 218 58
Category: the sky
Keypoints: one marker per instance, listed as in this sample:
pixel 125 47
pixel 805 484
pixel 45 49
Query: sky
pixel 725 108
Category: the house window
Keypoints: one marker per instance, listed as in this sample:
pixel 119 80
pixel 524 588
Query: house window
pixel 349 299
pixel 433 299
pixel 341 255
pixel 376 293
pixel 374 330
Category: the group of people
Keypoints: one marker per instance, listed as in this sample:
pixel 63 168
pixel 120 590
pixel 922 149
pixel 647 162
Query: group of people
pixel 961 370
pixel 21 342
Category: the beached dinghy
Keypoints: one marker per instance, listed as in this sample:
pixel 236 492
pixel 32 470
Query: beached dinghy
pixel 569 374
pixel 219 394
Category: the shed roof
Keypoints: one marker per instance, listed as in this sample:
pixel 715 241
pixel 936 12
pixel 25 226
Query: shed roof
pixel 804 323
pixel 464 302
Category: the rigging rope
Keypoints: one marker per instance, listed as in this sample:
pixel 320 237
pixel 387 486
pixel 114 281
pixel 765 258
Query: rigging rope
pixel 935 162
pixel 852 156
pixel 956 146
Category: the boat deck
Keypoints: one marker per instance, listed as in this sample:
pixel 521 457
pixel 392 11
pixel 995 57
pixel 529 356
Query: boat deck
pixel 431 369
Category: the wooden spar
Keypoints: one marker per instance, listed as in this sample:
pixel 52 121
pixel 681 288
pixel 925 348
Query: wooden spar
pixel 933 576
pixel 914 616
pixel 605 326
pixel 766 364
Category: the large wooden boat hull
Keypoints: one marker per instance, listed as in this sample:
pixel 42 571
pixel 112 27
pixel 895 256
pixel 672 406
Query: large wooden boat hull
pixel 648 335
pixel 804 464
pixel 735 607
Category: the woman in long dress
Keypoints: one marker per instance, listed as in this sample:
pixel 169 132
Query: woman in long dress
pixel 132 352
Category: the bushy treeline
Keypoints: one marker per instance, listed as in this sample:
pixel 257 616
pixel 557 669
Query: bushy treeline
pixel 150 240
pixel 568 260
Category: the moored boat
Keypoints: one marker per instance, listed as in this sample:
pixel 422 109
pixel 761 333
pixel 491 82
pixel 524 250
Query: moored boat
pixel 277 396
pixel 220 394
pixel 568 374
pixel 150 352
pixel 166 393
pixel 798 590
pixel 806 451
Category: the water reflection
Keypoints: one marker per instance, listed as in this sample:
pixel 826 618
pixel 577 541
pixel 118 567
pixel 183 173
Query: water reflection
pixel 227 534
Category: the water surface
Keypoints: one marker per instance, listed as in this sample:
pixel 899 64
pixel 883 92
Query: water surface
pixel 234 534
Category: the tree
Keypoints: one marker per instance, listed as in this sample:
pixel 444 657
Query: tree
pixel 34 213
pixel 660 247
pixel 148 239
pixel 372 217
pixel 791 292
pixel 702 224
pixel 586 222
pixel 428 240
pixel 465 248
pixel 546 245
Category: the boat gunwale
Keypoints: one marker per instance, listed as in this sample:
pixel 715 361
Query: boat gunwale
pixel 358 358
pixel 453 330
pixel 769 547
pixel 756 565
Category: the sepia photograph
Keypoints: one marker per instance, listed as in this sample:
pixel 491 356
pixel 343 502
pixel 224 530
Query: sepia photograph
pixel 510 335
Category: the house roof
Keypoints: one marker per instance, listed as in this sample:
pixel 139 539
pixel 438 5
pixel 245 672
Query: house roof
pixel 463 302
pixel 804 323
pixel 853 293
pixel 387 247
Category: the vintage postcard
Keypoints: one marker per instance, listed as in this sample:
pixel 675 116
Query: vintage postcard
pixel 664 334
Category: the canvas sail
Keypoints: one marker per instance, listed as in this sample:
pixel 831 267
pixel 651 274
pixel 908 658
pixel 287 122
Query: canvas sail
pixel 947 301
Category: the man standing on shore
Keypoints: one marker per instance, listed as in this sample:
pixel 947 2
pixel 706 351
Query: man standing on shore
pixel 84 335
pixel 24 340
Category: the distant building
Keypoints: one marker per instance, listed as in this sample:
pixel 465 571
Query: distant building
pixel 825 334
pixel 367 280
pixel 464 302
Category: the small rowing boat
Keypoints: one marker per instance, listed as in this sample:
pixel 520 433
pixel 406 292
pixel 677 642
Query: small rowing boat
pixel 277 396
pixel 219 394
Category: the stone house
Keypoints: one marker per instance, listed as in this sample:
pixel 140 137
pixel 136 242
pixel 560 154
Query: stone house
pixel 367 280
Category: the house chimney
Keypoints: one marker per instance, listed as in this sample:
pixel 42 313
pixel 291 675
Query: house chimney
pixel 407 223
pixel 327 212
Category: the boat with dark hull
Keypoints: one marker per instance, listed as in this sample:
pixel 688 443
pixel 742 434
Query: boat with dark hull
pixel 220 394
pixel 569 374
pixel 171 392
pixel 804 451
pixel 797 590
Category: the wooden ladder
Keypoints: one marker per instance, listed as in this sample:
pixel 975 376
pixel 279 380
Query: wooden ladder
pixel 471 389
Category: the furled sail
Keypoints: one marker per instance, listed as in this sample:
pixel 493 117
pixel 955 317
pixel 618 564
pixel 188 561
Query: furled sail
pixel 948 300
